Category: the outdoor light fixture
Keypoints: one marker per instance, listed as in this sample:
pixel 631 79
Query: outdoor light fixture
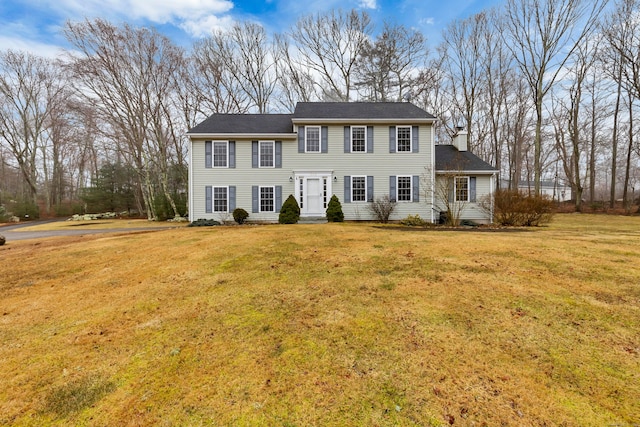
pixel 290 179
pixel 335 178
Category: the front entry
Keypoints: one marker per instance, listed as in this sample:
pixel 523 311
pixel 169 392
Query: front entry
pixel 313 191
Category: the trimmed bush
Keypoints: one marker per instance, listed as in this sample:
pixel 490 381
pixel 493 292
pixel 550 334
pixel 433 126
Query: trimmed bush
pixel 2 240
pixel 334 210
pixel 514 208
pixel 240 215
pixel 290 211
pixel 204 223
pixel 414 221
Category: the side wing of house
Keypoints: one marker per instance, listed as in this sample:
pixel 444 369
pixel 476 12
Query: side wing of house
pixel 357 151
pixel 464 183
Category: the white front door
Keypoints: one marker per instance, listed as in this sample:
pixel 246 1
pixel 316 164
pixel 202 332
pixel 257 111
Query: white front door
pixel 314 196
pixel 313 191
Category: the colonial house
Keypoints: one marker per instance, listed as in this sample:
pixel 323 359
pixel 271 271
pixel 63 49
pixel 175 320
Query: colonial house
pixel 358 151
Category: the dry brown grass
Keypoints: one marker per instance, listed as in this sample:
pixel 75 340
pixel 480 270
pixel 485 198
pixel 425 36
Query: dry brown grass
pixel 334 324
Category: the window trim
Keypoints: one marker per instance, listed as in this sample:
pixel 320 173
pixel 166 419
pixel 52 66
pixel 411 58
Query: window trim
pixel 213 154
pixel 455 189
pixel 273 154
pixel 410 150
pixel 273 190
pixel 364 177
pixel 364 147
pixel 306 142
pixel 213 198
pixel 410 188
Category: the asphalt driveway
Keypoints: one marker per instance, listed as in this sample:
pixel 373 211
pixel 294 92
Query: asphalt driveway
pixel 12 232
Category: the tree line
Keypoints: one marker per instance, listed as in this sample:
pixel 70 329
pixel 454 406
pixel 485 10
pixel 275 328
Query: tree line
pixel 546 89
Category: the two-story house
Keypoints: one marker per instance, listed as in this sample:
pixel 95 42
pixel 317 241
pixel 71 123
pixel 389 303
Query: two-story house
pixel 358 151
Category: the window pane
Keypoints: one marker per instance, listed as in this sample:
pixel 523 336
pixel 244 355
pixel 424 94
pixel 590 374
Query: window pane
pixel 462 189
pixel 358 143
pixel 313 139
pixel 266 199
pixel 219 154
pixel 404 188
pixel 358 189
pixel 219 199
pixel 266 154
pixel 404 138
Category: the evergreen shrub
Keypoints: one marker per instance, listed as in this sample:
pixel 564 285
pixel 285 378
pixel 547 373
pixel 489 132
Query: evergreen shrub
pixel 334 210
pixel 240 215
pixel 290 211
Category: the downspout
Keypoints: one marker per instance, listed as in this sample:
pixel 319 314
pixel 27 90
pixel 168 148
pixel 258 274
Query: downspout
pixel 190 184
pixel 433 174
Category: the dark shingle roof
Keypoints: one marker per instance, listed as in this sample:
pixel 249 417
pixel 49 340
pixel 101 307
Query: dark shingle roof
pixel 449 158
pixel 359 110
pixel 245 123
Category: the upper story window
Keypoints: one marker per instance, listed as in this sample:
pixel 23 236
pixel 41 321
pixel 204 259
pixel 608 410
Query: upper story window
pixel 404 188
pixel 358 188
pixel 216 154
pixel 220 154
pixel 267 154
pixel 312 139
pixel 403 139
pixel 462 188
pixel 358 139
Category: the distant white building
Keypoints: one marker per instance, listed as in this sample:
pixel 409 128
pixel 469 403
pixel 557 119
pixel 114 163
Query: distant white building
pixel 554 190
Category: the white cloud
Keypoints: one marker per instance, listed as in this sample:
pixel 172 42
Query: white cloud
pixel 204 26
pixel 427 21
pixel 156 11
pixel 37 48
pixel 369 4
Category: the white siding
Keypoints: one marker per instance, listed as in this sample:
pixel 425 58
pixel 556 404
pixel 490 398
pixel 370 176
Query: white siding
pixel 380 164
pixel 470 211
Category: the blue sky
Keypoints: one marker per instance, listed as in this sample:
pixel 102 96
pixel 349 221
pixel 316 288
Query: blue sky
pixel 34 25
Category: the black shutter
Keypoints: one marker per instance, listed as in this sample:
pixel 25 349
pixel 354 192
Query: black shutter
pixel 392 188
pixel 300 139
pixel 392 139
pixel 207 154
pixel 347 189
pixel 278 154
pixel 324 139
pixel 208 199
pixel 347 139
pixel 254 154
pixel 255 206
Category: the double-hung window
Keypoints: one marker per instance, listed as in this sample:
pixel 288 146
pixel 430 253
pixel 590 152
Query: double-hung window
pixel 220 199
pixel 220 154
pixel 358 188
pixel 462 188
pixel 403 139
pixel 404 188
pixel 358 139
pixel 267 154
pixel 267 199
pixel 312 139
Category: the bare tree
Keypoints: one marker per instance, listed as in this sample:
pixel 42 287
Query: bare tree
pixel 248 57
pixel 127 72
pixel 622 32
pixel 328 46
pixel 542 35
pixel 387 67
pixel 28 90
